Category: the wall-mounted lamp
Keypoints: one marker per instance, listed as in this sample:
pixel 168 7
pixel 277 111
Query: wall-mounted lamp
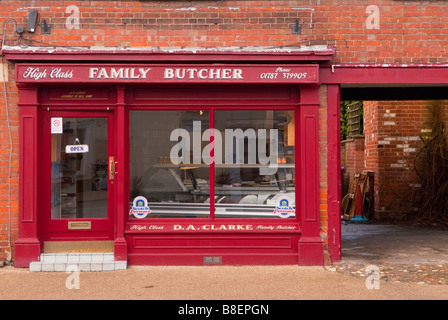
pixel 296 28
pixel 32 21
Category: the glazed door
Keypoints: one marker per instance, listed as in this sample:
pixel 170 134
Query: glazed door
pixel 78 178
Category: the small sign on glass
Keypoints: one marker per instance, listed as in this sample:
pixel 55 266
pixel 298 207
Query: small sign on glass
pixel 56 125
pixel 77 148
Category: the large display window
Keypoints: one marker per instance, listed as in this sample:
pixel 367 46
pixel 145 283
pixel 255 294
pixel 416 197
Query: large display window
pixel 242 159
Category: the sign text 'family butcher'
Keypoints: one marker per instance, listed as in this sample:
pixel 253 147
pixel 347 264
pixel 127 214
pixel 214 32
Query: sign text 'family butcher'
pixel 219 73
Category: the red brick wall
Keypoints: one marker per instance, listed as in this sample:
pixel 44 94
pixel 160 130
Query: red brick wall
pixel 353 160
pixel 371 153
pixel 323 194
pixel 392 130
pixel 9 163
pixel 401 32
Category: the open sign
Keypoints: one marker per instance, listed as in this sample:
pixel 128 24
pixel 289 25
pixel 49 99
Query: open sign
pixel 77 148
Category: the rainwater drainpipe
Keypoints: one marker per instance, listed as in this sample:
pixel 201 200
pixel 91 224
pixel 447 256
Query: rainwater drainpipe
pixel 9 253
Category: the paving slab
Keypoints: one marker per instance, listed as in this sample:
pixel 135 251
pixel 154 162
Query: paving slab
pixel 406 258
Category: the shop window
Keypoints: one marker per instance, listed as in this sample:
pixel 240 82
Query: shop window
pixel 255 169
pixel 251 173
pixel 174 183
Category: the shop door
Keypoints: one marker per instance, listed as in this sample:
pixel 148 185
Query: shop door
pixel 78 176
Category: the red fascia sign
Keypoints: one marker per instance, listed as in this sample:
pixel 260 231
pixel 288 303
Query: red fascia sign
pixel 212 227
pixel 216 73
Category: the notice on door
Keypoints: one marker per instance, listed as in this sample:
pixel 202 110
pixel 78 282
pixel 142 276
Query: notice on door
pixel 56 125
pixel 76 148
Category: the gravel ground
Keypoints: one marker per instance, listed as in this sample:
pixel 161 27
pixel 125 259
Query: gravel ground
pixel 402 253
pixel 429 274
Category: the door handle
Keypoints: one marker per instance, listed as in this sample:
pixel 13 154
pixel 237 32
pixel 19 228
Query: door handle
pixel 112 165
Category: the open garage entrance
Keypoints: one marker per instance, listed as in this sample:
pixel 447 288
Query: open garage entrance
pixel 401 152
pixel 398 101
pixel 398 159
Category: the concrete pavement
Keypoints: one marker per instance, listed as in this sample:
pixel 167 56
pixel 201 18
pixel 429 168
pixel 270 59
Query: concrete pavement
pixel 207 283
pixel 367 243
pixel 254 282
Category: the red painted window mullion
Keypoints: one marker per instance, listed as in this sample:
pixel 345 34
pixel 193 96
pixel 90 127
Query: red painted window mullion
pixel 212 164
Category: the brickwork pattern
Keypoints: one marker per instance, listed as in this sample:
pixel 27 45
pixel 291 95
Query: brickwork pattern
pixel 393 131
pixel 323 194
pixel 353 160
pixel 387 32
pixel 9 164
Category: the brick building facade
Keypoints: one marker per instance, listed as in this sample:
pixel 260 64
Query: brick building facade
pixel 394 135
pixel 358 33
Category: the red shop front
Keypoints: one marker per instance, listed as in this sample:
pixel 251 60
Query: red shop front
pixel 171 163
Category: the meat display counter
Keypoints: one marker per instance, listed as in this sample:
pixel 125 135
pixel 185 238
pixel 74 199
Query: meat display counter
pixel 177 192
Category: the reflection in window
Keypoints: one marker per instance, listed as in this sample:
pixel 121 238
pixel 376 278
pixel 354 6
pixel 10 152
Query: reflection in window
pixel 254 171
pixel 167 164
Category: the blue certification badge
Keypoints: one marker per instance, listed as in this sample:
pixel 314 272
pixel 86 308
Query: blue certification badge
pixel 140 208
pixel 284 209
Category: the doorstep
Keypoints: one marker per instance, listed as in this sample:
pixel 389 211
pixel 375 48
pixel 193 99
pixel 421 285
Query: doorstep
pixel 70 262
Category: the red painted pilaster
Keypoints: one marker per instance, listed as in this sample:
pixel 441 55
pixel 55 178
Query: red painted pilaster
pixel 120 245
pixel 27 246
pixel 310 243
